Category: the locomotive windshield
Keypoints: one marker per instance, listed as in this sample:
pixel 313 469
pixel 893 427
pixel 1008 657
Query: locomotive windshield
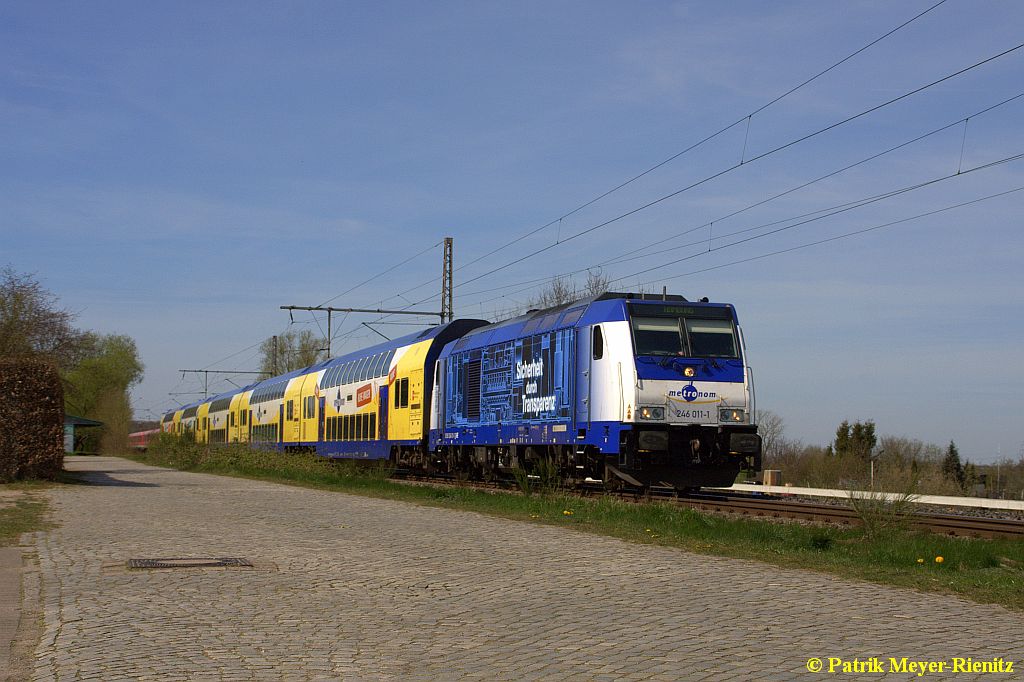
pixel 690 337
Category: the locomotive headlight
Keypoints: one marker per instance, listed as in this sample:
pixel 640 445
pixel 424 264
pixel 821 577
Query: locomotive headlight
pixel 651 413
pixel 731 415
pixel 689 372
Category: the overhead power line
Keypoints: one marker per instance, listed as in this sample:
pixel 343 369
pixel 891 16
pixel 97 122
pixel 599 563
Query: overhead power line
pixel 840 236
pixel 729 169
pixel 708 138
pixel 382 273
pixel 637 253
pixel 860 204
pixel 819 215
pixel 745 118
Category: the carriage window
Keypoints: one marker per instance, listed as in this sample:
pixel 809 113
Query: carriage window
pixel 711 338
pixel 658 336
pixel 598 344
pixel 572 316
pixel 687 337
pixel 402 393
pixel 549 321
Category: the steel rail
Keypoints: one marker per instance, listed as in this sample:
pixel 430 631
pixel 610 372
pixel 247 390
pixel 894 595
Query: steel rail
pixel 766 508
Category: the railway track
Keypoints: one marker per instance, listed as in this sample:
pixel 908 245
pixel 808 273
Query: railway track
pixel 946 524
pixel 768 507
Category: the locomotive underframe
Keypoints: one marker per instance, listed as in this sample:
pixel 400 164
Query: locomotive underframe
pixel 688 456
pixel 682 457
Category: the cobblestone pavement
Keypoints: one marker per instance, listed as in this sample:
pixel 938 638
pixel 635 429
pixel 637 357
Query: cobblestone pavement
pixel 351 588
pixel 10 594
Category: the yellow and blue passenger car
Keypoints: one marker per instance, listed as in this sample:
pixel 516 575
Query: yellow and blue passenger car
pixel 362 405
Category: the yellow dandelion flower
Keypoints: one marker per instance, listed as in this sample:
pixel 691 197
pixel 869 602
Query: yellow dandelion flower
pixel 939 560
pixel 920 561
pixel 567 512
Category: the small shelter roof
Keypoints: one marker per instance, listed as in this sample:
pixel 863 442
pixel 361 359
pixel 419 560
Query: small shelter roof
pixel 72 420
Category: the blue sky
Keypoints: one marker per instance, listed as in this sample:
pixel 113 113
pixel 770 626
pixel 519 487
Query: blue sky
pixel 177 171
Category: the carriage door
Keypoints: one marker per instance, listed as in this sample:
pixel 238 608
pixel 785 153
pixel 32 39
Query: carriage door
pixel 416 403
pixel 382 414
pixel 584 367
pixel 280 423
pixel 321 401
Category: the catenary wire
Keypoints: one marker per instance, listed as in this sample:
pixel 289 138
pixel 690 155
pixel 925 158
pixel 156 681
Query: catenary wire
pixel 708 138
pixel 729 169
pixel 636 254
pixel 695 145
pixel 871 200
pixel 837 237
pixel 826 212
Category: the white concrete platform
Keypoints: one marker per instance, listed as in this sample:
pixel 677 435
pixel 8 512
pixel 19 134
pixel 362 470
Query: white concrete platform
pixel 944 500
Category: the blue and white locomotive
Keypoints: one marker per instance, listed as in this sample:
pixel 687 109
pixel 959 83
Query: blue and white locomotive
pixel 616 388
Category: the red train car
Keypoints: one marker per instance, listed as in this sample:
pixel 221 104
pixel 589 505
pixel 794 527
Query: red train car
pixel 140 439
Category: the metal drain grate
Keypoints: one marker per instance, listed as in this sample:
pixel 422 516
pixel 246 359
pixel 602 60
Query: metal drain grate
pixel 191 562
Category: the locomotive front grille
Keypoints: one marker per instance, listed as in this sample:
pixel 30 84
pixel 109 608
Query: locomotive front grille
pixel 744 444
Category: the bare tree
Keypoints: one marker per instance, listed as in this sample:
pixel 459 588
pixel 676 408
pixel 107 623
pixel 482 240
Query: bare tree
pixel 597 282
pixel 33 325
pixel 771 428
pixel 560 290
pixel 291 351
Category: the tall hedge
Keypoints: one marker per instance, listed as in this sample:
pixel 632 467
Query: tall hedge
pixel 31 420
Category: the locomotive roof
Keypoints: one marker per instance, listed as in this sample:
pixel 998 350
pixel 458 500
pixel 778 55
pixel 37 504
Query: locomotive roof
pixel 605 307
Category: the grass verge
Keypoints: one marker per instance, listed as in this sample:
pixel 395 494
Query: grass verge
pixel 24 514
pixel 988 571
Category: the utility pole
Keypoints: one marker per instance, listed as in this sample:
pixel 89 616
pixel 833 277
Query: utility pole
pixel 447 312
pixel 206 376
